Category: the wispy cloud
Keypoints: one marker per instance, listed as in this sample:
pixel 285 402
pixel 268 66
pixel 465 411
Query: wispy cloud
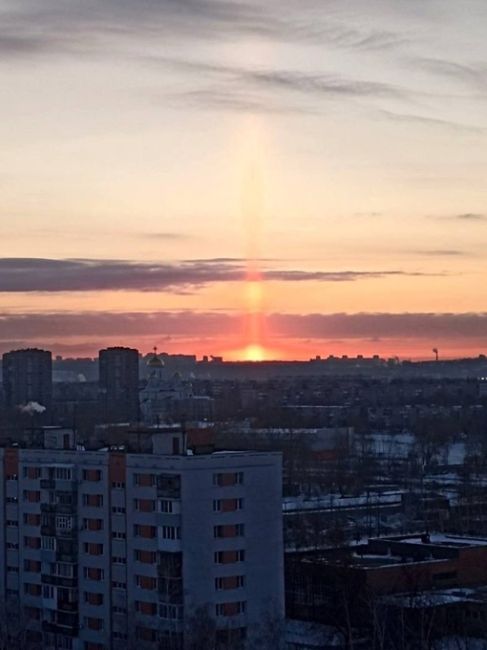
pixel 472 74
pixel 440 252
pixel 465 217
pixel 427 121
pixel 47 275
pixel 471 216
pixel 40 28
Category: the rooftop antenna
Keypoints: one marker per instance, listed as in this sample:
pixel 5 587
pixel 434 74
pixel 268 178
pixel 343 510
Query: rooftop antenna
pixel 436 353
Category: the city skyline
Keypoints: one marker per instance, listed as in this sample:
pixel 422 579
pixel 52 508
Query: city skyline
pixel 256 181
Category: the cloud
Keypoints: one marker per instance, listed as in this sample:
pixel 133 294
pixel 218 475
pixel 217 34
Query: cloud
pixel 54 26
pixel 47 275
pixel 471 216
pixel 264 89
pixel 440 253
pixel 472 74
pixel 290 80
pixel 424 120
pixel 432 326
pixel 66 327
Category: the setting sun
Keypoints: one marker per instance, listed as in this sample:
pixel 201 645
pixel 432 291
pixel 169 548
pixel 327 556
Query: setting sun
pixel 254 353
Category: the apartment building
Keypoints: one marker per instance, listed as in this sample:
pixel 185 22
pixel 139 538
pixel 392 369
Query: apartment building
pixel 27 377
pixel 112 549
pixel 119 384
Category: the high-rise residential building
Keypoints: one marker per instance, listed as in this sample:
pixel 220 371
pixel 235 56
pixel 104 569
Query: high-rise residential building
pixel 112 549
pixel 27 377
pixel 119 384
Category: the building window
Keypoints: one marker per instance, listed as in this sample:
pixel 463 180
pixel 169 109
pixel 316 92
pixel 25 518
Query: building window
pixel 144 505
pixel 169 485
pixel 31 519
pixel 93 500
pixel 149 609
pixel 12 546
pixel 93 524
pixel 93 549
pixel 118 534
pixel 225 479
pixel 32 542
pixel 11 500
pixel 165 506
pixel 92 475
pixel 171 612
pixel 144 531
pixel 48 543
pixel 118 485
pixel 63 569
pixel 93 573
pixel 32 589
pixel 229 557
pixel 144 480
pixel 119 585
pixel 32 472
pixel 64 522
pixel 231 609
pixel 146 557
pixel 32 496
pixel 93 623
pixel 229 582
pixel 227 505
pixel 33 566
pixel 63 473
pixel 119 610
pixel 145 633
pixel 146 582
pixel 229 530
pixel 12 522
pixel 32 613
pixel 170 532
pixel 93 598
pixel 118 510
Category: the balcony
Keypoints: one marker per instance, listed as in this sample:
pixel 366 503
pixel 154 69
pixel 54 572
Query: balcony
pixel 67 556
pixel 59 508
pixel 59 581
pixel 61 628
pixel 67 606
pixel 48 530
pixel 48 484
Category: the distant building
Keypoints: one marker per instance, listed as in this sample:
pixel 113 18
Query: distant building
pixel 27 379
pixel 396 577
pixel 119 384
pixel 167 397
pixel 112 549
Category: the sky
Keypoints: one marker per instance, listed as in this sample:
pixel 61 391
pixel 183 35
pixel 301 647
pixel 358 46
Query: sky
pixel 273 179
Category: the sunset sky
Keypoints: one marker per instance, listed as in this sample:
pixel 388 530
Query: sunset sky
pixel 281 178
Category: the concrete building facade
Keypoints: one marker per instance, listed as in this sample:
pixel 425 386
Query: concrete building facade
pixel 27 378
pixel 109 549
pixel 119 384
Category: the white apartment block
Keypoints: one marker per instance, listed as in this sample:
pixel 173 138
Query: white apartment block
pixel 111 549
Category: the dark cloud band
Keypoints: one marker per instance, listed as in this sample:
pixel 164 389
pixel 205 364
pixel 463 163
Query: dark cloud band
pixel 45 275
pixel 64 327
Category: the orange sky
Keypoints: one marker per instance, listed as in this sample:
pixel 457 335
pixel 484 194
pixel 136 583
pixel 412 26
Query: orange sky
pixel 222 176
